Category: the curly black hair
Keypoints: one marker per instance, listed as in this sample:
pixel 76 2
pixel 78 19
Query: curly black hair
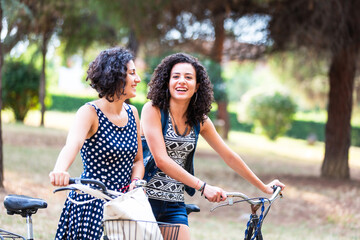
pixel 107 73
pixel 200 105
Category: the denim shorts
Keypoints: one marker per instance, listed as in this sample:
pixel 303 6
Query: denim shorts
pixel 169 212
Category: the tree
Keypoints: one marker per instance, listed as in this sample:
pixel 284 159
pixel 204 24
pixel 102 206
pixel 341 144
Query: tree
pixel 332 27
pixel 17 18
pixel 1 139
pixel 20 87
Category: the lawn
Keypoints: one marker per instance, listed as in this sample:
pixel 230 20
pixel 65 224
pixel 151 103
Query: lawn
pixel 312 208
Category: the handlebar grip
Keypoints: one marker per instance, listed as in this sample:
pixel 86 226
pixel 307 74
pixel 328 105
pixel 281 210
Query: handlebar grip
pixel 88 181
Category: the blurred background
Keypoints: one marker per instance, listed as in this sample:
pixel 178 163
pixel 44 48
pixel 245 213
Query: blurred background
pixel 286 86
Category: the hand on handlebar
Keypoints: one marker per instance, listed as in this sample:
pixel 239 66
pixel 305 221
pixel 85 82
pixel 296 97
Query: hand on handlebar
pixel 214 194
pixel 59 179
pixel 269 187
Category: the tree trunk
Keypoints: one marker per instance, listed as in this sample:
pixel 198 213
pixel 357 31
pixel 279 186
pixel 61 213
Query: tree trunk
pixel 338 126
pixel 133 45
pixel 216 55
pixel 42 91
pixel 1 139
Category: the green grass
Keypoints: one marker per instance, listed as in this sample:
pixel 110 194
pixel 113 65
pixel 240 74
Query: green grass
pixel 312 208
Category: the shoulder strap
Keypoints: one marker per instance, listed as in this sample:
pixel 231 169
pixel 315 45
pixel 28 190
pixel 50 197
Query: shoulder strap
pixel 164 118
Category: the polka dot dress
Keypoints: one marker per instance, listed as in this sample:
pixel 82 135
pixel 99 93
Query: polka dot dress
pixel 107 156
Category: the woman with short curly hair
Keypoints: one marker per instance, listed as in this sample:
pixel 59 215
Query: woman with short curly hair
pixel 181 96
pixel 106 132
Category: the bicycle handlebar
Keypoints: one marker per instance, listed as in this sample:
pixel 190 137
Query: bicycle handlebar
pixel 252 201
pixel 275 195
pixel 101 185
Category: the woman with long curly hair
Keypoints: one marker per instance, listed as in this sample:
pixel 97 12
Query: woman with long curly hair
pixel 106 132
pixel 181 95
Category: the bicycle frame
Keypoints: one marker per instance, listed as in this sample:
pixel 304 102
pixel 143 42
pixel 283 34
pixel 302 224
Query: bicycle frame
pixel 253 229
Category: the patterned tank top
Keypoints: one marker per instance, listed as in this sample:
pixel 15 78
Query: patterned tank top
pixel 161 186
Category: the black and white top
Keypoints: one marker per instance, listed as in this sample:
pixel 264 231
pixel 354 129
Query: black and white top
pixel 161 186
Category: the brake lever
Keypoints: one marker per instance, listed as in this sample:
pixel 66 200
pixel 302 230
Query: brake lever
pixel 64 188
pixel 229 202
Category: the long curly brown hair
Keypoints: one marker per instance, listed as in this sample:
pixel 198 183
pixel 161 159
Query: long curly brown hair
pixel 107 73
pixel 200 105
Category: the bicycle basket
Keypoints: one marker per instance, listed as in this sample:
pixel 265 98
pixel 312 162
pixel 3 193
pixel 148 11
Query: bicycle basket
pixel 123 229
pixel 9 235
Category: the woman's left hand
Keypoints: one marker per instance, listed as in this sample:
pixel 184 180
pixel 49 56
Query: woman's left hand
pixel 269 187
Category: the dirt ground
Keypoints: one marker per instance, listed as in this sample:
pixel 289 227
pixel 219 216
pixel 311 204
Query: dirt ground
pixel 308 199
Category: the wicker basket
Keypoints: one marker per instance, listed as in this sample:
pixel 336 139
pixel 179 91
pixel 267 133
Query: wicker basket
pixel 122 229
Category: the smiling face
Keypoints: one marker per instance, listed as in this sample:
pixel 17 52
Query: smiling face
pixel 132 79
pixel 182 83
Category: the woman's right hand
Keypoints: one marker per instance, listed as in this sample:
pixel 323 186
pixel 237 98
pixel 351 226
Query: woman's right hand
pixel 214 194
pixel 59 178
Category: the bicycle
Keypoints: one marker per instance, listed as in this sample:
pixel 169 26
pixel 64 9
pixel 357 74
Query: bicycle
pixel 27 206
pixel 253 227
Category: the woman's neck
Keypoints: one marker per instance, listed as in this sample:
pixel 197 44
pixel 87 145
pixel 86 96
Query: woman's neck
pixel 178 109
pixel 114 107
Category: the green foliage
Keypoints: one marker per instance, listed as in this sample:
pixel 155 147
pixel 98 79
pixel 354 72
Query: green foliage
pixel 21 83
pixel 271 111
pixel 214 71
pixel 67 103
pixel 240 78
pixel 70 103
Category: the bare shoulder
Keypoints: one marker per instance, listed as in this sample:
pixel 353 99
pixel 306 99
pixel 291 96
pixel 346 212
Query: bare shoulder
pixel 87 111
pixel 207 125
pixel 149 108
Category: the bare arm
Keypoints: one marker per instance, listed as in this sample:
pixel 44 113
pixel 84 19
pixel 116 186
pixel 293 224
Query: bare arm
pixel 152 129
pixel 209 133
pixel 85 125
pixel 138 168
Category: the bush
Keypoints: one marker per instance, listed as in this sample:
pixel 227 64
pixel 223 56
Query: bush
pixel 21 83
pixel 271 111
pixel 70 103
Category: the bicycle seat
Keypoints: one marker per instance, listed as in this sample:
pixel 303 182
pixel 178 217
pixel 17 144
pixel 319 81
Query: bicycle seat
pixel 192 208
pixel 23 205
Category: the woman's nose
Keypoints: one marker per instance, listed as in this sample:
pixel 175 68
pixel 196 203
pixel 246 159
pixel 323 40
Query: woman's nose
pixel 137 79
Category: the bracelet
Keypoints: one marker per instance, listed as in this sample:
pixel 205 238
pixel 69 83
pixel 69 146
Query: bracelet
pixel 197 183
pixel 135 179
pixel 202 191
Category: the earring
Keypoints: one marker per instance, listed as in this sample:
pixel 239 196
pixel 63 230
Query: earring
pixel 196 95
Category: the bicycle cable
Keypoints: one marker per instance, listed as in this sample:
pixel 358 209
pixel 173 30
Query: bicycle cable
pixel 259 223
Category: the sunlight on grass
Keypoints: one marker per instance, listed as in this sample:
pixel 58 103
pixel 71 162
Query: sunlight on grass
pixel 58 120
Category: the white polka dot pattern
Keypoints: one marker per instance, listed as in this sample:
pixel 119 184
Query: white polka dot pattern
pixel 107 156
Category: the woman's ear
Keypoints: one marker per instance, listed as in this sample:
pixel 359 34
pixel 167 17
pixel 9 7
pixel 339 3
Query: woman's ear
pixel 197 87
